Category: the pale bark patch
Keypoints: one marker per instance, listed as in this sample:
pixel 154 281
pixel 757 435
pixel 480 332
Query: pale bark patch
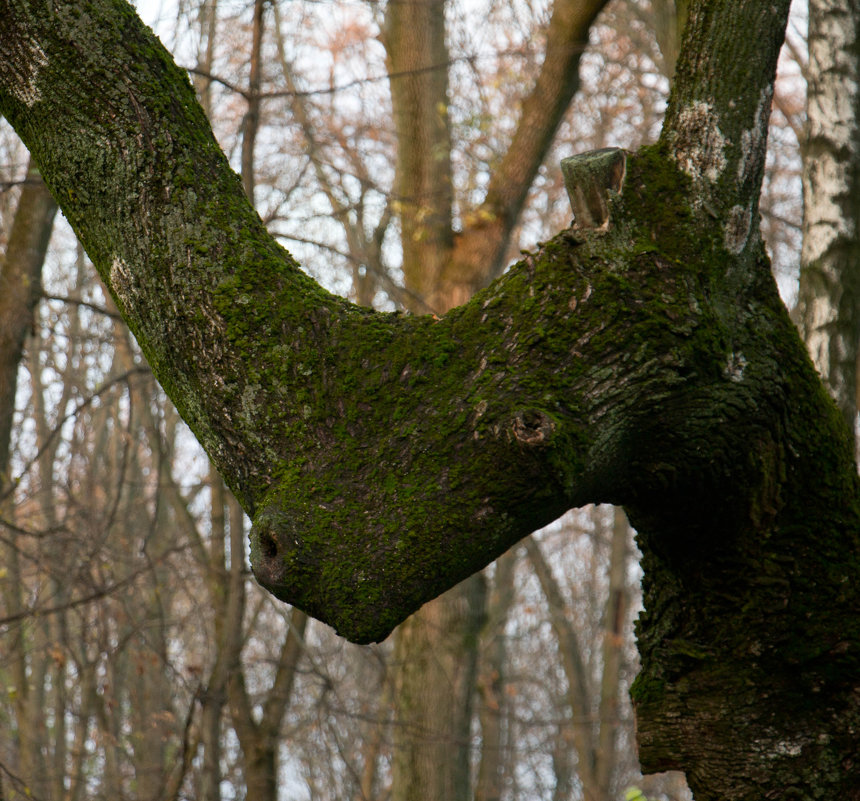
pixel 754 139
pixel 22 61
pixel 821 319
pixel 735 367
pixel 699 144
pixel 121 281
pixel 831 130
pixel 827 187
pixel 833 71
pixel 736 230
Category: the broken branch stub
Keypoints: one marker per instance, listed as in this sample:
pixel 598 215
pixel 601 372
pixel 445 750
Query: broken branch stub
pixel 589 178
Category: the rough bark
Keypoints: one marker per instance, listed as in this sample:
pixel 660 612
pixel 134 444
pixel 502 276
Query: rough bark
pixel 228 271
pixel 385 457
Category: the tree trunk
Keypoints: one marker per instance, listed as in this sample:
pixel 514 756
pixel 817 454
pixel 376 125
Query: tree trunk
pixel 670 19
pixel 615 616
pixel 20 290
pixel 414 38
pixel 647 362
pixel 435 662
pixel 491 684
pixel 829 296
pixel 251 121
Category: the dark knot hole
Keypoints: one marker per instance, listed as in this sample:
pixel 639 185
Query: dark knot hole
pixel 268 545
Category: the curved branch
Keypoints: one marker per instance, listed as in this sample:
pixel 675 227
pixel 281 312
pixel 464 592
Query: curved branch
pixel 382 457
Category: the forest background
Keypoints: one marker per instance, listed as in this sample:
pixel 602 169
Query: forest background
pixel 139 658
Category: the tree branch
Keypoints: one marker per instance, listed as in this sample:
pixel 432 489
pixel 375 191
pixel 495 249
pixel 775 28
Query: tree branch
pixel 320 414
pixel 383 457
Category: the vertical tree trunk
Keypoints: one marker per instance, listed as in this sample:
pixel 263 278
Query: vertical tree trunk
pixel 414 38
pixel 829 296
pixel 208 21
pixel 374 745
pixel 227 592
pixel 251 122
pixel 614 619
pixel 670 17
pixel 20 290
pixel 435 659
pixel 491 684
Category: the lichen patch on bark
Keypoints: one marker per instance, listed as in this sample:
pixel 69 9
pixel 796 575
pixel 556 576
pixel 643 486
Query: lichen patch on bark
pixel 736 230
pixel 121 280
pixel 21 61
pixel 698 144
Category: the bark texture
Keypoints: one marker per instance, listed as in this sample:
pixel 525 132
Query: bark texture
pixel 383 458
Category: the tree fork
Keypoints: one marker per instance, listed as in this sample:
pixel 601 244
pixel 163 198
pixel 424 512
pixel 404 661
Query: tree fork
pixel 384 457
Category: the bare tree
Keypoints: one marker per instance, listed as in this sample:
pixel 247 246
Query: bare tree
pixel 618 362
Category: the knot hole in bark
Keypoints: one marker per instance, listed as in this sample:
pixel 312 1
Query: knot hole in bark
pixel 266 559
pixel 268 546
pixel 589 178
pixel 532 428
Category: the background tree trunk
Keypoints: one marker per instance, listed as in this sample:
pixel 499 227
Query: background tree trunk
pixel 495 753
pixel 829 295
pixel 20 290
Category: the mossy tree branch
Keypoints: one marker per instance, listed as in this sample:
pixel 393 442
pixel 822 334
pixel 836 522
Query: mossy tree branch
pixel 384 457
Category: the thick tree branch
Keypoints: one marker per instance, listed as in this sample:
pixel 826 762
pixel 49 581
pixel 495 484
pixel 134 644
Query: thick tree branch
pixel 648 362
pixel 320 414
